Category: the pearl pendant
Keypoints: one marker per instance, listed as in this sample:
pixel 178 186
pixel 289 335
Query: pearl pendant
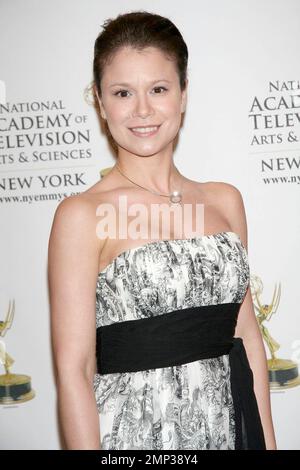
pixel 175 197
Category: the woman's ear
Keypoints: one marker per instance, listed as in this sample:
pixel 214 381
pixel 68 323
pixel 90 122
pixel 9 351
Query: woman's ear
pixel 102 111
pixel 184 97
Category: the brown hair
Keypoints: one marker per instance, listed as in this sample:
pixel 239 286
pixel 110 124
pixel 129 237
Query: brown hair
pixel 139 29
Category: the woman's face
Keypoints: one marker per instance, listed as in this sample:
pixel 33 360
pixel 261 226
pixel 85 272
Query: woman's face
pixel 142 89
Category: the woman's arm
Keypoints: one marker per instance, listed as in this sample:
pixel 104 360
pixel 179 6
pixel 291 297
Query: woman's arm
pixel 247 326
pixel 248 329
pixel 73 254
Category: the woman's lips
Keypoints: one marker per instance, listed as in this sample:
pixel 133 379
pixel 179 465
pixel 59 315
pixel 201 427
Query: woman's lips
pixel 145 134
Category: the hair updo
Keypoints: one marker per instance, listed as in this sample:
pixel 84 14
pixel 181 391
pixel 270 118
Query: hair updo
pixel 139 29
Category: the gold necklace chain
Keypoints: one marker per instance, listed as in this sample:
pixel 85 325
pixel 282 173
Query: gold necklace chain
pixel 175 197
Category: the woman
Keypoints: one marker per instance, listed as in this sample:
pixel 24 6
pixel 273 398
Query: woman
pixel 175 325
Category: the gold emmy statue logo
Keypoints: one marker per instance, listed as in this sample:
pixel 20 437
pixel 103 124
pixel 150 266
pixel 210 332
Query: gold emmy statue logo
pixel 283 373
pixel 14 388
pixel 89 98
pixel 88 94
pixel 105 171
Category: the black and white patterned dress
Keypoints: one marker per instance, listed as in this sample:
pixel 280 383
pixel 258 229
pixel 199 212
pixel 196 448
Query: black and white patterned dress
pixel 189 405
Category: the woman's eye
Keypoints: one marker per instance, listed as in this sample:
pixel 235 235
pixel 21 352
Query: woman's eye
pixel 160 87
pixel 125 91
pixel 120 91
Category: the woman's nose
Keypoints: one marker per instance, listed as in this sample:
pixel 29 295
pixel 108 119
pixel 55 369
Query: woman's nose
pixel 143 105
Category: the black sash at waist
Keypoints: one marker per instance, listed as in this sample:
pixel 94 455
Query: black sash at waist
pixel 180 337
pixel 169 339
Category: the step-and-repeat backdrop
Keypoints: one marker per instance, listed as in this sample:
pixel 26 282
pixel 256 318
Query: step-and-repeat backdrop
pixel 242 126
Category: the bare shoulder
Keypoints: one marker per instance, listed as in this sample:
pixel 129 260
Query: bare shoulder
pixel 232 201
pixel 72 273
pixel 229 200
pixel 71 214
pixel 74 223
pixel 215 192
pixel 220 190
pixel 229 196
pixel 72 206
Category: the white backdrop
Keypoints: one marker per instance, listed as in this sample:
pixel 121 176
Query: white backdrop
pixel 243 61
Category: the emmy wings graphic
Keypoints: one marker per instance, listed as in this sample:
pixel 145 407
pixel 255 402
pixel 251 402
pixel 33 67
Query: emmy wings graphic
pixel 14 388
pixel 283 373
pixel 90 98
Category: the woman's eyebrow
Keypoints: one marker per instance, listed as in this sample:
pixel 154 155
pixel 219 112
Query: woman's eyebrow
pixel 151 83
